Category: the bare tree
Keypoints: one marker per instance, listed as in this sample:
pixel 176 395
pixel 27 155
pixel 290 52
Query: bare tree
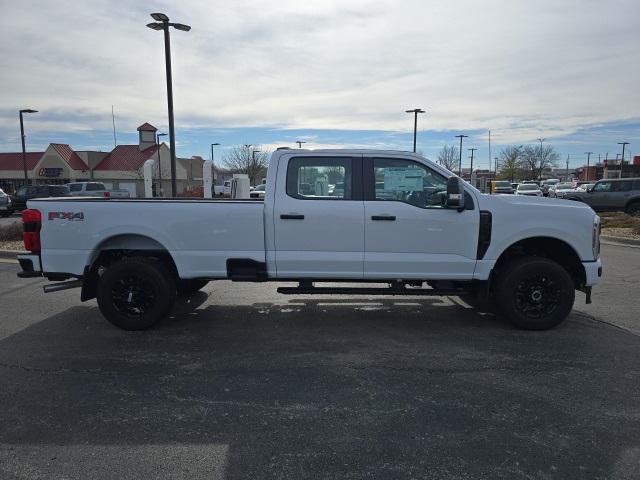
pixel 536 159
pixel 242 159
pixel 510 163
pixel 449 157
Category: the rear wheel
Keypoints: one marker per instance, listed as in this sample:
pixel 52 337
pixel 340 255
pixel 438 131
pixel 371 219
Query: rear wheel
pixel 135 293
pixel 191 285
pixel 535 293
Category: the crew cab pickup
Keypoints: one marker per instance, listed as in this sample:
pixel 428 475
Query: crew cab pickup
pixel 398 225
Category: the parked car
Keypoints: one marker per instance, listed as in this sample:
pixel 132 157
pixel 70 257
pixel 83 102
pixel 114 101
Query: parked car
pixel 620 194
pixel 6 205
pixel 561 189
pixel 96 189
pixel 28 192
pixel 502 187
pixel 258 191
pixel 530 189
pixel 437 236
pixel 514 186
pixel 548 183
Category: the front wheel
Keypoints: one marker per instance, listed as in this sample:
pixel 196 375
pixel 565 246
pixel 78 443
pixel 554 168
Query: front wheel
pixel 634 209
pixel 135 293
pixel 535 293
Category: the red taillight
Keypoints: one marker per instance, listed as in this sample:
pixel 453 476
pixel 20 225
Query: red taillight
pixel 31 223
pixel 107 194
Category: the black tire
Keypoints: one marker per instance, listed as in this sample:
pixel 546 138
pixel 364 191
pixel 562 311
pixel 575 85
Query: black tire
pixel 190 286
pixel 633 209
pixel 535 293
pixel 135 293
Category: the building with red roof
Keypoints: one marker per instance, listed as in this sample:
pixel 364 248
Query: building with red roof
pixel 122 167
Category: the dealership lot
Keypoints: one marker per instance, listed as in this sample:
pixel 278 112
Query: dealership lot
pixel 242 382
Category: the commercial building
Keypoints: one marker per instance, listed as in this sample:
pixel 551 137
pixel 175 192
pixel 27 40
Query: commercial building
pixel 119 168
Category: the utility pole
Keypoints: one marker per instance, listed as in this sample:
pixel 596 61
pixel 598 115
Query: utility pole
pixel 460 160
pixel 415 112
pixel 495 171
pixel 471 170
pixel 24 150
pixel 567 170
pixel 624 144
pixel 489 150
pixel 588 154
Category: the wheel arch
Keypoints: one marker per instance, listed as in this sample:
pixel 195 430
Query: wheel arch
pixel 548 247
pixel 119 246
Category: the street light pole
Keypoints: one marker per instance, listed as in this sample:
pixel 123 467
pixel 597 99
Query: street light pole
pixel 158 135
pixel 253 162
pixel 213 168
pixel 588 154
pixel 163 24
pixel 540 140
pixel 460 160
pixel 24 150
pixel 300 142
pixel 415 112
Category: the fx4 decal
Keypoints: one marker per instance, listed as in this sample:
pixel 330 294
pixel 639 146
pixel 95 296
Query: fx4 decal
pixel 73 216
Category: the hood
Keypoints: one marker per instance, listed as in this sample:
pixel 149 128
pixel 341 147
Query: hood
pixel 494 201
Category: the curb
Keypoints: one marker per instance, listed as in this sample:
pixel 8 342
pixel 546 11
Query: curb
pixel 620 240
pixel 11 254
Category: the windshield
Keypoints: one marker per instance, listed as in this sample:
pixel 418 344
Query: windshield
pixel 527 186
pixel 259 188
pixel 560 186
pixel 503 184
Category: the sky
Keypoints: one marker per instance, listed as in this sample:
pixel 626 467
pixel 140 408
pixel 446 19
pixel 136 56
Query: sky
pixel 334 73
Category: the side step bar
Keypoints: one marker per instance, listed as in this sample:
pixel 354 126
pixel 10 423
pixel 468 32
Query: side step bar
pixel 311 290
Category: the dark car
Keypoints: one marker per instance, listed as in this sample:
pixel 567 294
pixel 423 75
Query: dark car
pixel 6 204
pixel 25 193
pixel 619 194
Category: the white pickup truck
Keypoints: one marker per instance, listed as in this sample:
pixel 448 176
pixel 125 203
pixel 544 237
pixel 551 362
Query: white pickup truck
pixel 398 225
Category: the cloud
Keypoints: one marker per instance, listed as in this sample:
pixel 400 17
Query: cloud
pixel 521 69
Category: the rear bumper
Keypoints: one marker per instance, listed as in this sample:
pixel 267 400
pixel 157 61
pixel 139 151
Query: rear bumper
pixel 30 264
pixel 593 272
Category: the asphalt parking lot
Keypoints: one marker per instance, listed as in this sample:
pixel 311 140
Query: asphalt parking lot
pixel 241 382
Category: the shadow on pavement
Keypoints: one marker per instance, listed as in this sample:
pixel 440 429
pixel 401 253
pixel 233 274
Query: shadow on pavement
pixel 319 389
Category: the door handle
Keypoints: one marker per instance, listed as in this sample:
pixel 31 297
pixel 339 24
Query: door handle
pixel 291 216
pixel 389 218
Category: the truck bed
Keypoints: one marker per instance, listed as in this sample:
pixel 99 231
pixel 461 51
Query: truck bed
pixel 200 234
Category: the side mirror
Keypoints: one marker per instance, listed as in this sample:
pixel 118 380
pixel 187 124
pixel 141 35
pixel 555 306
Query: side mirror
pixel 455 193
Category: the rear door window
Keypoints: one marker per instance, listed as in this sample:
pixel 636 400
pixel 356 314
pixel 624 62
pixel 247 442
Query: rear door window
pixel 320 178
pixel 75 187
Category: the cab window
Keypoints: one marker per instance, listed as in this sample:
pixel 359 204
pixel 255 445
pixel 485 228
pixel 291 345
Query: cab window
pixel 409 182
pixel 327 178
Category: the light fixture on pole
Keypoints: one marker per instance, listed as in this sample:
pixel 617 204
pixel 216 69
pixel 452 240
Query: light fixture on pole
pixel 24 150
pixel 460 161
pixel 415 112
pixel 162 23
pixel 300 142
